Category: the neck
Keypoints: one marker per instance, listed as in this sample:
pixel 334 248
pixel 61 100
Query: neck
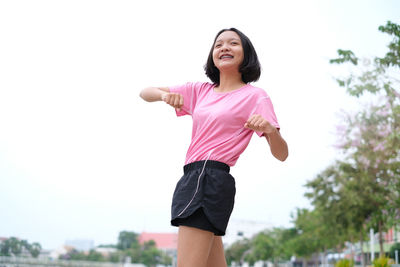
pixel 229 81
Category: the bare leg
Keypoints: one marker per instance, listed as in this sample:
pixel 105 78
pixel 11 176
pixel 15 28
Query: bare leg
pixel 194 246
pixel 216 257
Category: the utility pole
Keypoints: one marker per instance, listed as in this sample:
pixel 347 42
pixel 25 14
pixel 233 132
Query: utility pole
pixel 372 246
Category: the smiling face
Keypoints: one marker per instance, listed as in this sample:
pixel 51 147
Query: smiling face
pixel 228 51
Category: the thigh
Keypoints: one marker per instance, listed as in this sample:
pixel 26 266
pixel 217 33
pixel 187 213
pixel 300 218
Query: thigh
pixel 194 246
pixel 216 257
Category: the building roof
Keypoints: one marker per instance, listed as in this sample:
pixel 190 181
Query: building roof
pixel 162 240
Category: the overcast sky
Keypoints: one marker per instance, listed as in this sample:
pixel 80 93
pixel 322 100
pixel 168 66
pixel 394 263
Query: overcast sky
pixel 83 157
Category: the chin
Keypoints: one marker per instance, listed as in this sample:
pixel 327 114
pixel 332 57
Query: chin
pixel 225 67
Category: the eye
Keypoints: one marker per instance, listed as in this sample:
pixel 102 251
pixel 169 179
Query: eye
pixel 234 43
pixel 217 45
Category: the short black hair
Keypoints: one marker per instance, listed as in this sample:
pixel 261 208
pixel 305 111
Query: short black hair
pixel 250 67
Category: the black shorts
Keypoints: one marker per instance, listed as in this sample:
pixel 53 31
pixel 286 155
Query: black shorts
pixel 204 197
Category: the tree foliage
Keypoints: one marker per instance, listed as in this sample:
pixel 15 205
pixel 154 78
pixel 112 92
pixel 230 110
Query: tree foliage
pixel 127 240
pixel 269 245
pixel 363 190
pixel 393 248
pixel 312 234
pixel 360 191
pixel 14 247
pixel 237 251
pixel 127 246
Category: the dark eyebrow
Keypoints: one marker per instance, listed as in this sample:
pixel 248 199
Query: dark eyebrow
pixel 236 39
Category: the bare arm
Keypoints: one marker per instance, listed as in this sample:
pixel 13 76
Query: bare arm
pixel 152 94
pixel 278 145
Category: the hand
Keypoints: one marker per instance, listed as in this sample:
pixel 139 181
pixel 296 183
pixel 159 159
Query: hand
pixel 259 124
pixel 173 99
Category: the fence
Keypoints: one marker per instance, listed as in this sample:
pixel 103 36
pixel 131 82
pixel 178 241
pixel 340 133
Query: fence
pixel 28 262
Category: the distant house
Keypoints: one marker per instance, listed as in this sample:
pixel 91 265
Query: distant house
pixel 55 254
pixel 167 242
pixel 391 236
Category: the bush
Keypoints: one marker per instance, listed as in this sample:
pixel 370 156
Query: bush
pixel 345 263
pixel 393 248
pixel 383 262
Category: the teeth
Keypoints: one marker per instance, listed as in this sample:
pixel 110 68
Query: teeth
pixel 226 57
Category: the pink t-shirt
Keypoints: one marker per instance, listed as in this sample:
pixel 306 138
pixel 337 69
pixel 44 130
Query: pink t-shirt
pixel 218 119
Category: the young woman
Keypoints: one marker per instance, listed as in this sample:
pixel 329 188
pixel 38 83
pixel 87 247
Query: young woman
pixel 225 115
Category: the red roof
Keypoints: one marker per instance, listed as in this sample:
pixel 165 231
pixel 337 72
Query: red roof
pixel 162 240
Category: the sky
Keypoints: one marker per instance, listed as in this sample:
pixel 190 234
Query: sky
pixel 83 157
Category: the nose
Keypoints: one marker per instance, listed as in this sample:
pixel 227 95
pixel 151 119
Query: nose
pixel 225 47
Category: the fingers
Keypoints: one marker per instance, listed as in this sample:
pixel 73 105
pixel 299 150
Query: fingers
pixel 177 101
pixel 258 123
pixel 174 100
pixel 255 121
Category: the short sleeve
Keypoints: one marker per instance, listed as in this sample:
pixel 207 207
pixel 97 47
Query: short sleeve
pixel 265 108
pixel 188 92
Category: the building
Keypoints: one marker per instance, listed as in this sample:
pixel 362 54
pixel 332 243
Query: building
pixel 80 244
pixel 392 236
pixel 56 253
pixel 164 241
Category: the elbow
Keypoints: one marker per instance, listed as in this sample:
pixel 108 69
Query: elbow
pixel 282 156
pixel 284 152
pixel 143 95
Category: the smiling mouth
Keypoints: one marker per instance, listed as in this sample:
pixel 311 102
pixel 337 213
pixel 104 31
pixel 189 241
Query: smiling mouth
pixel 225 56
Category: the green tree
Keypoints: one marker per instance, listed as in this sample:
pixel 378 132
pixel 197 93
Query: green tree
pixel 74 255
pixel 95 256
pixel 271 245
pixel 372 136
pixel 283 236
pixel 340 194
pixel 82 256
pixel 15 245
pixel 35 249
pixel 116 257
pixel 313 235
pixel 107 246
pixel 127 240
pixel 5 248
pixel 165 259
pixel 236 251
pixel 149 254
pixel 127 246
pixel 262 247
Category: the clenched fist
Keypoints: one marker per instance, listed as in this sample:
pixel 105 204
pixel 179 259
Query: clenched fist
pixel 173 99
pixel 259 124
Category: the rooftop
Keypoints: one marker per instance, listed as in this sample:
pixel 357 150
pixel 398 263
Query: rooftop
pixel 162 240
